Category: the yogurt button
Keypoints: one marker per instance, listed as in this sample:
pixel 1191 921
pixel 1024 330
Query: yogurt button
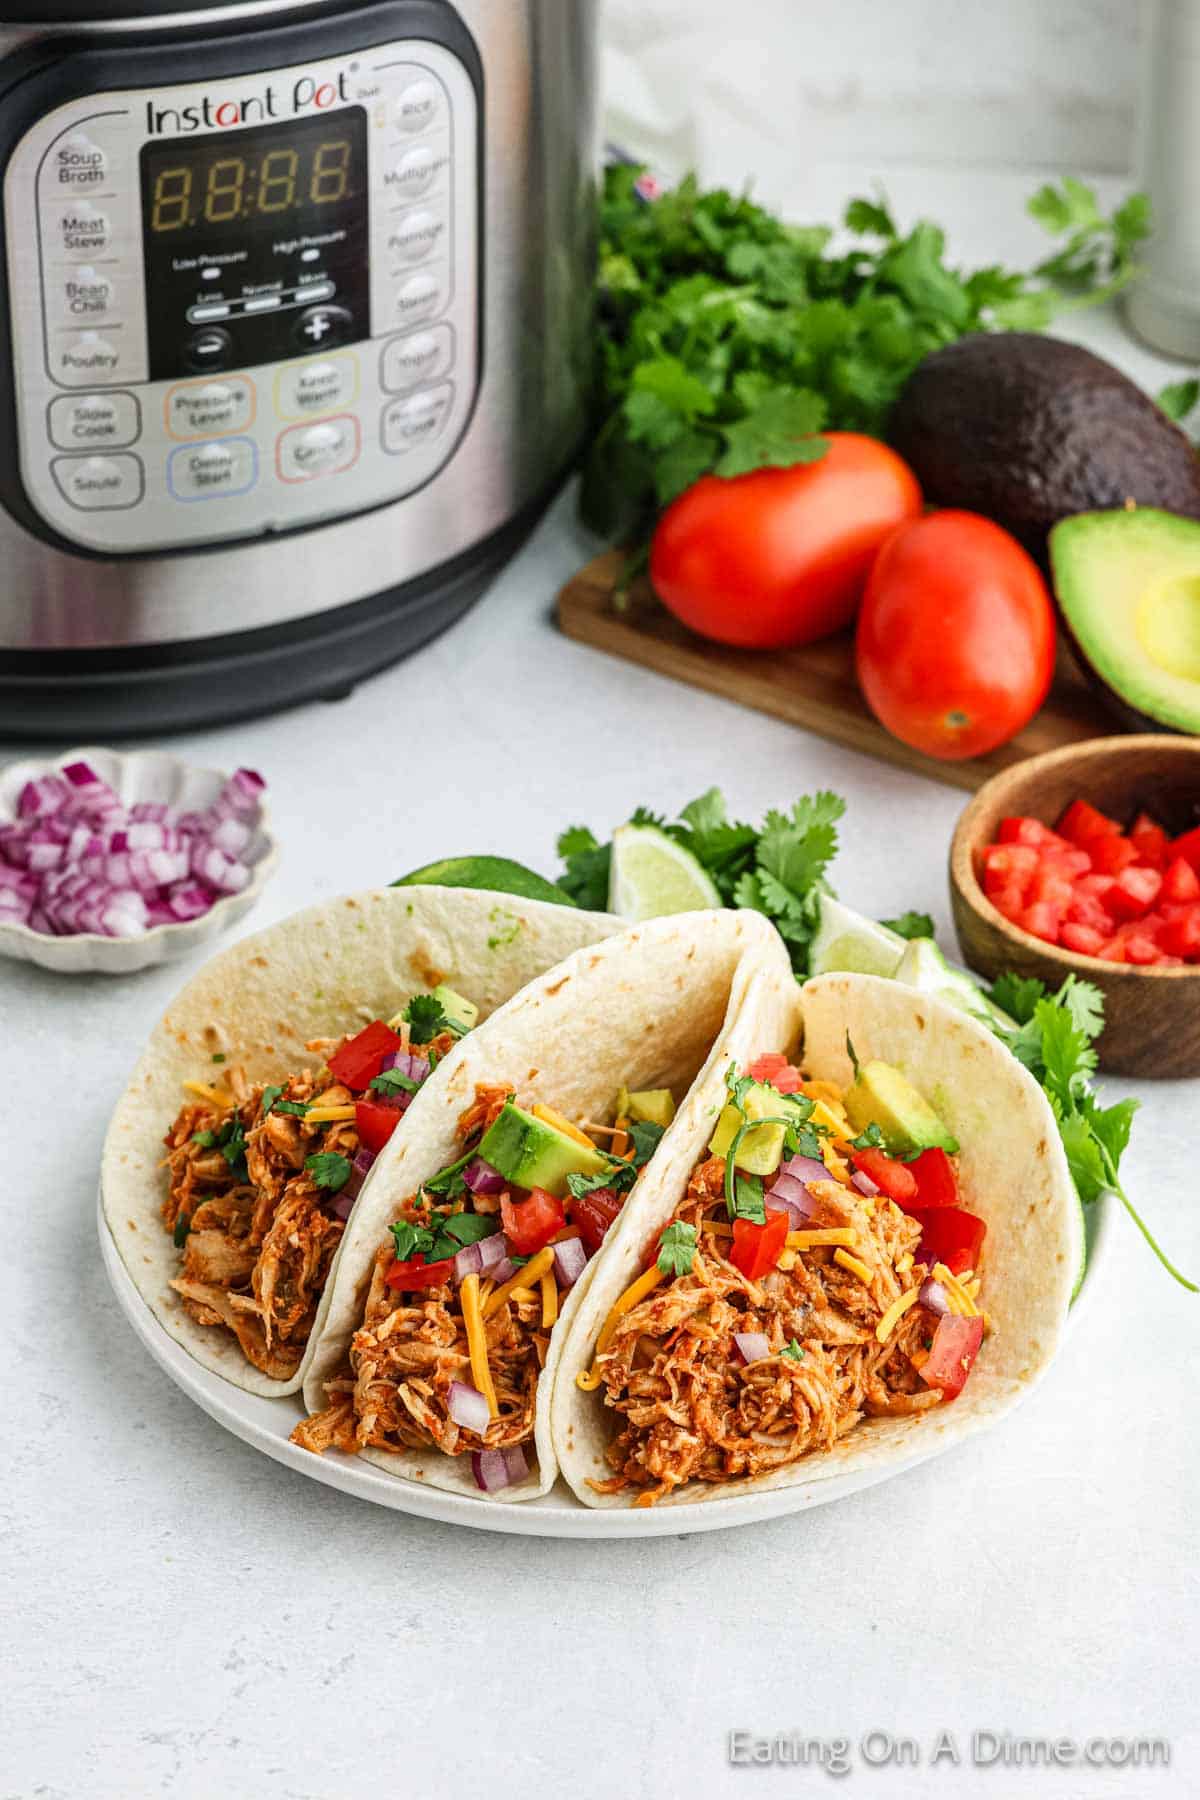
pixel 417 106
pixel 99 483
pixel 418 356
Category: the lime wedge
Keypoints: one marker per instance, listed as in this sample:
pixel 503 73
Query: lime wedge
pixel 925 968
pixel 652 875
pixel 495 873
pixel 847 941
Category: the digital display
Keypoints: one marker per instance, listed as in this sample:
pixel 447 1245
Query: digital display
pixel 243 230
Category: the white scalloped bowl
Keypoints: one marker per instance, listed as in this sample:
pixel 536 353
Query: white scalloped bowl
pixel 136 775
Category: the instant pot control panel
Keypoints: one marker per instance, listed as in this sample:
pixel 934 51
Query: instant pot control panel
pixel 244 303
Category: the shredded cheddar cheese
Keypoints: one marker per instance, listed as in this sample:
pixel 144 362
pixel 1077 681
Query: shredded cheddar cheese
pixel 214 1095
pixel 329 1115
pixel 816 1240
pixel 548 1116
pixel 832 1118
pixel 960 1301
pixel 477 1341
pixel 854 1264
pixel 524 1278
pixel 717 1228
pixel 904 1263
pixel 549 1289
pixel 895 1313
pixel 589 1379
pixel 834 1163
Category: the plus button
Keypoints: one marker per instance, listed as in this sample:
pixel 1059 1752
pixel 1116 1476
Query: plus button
pixel 321 324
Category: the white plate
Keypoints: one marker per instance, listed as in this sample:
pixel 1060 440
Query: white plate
pixel 266 1425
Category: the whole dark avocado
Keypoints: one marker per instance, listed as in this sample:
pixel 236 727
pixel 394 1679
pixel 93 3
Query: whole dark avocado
pixel 1028 430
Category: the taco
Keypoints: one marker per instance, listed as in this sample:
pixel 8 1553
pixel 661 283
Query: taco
pixel 271 1084
pixel 474 1245
pixel 864 1253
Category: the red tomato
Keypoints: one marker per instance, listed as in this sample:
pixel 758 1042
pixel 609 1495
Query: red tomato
pixel 1149 840
pixel 1082 822
pixel 530 1224
pixel 375 1123
pixel 1028 831
pixel 955 1346
pixel 778 1072
pixel 594 1214
pixel 950 1235
pixel 892 1178
pixel 956 636
pixel 757 1248
pixel 408 1277
pixel 360 1059
pixel 1085 940
pixel 937 1184
pixel 781 556
pixel 1134 892
pixel 1112 854
pixel 1180 882
pixel 1181 936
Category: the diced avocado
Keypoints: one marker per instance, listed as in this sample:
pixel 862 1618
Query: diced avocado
pixel 462 1014
pixel 1128 584
pixel 925 968
pixel 761 1150
pixel 531 1153
pixel 881 1095
pixel 654 1106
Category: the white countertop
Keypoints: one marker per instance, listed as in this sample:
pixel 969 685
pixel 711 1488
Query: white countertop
pixel 185 1618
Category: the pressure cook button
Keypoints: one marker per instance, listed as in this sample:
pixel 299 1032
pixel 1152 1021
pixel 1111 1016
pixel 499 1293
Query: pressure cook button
pixel 321 325
pixel 416 235
pixel 209 348
pixel 209 408
pixel 407 424
pixel 83 229
pixel 307 451
pixel 419 297
pixel 417 106
pixel 303 390
pixel 99 483
pixel 85 358
pixel 419 356
pixel 77 163
pixel 212 471
pixel 86 421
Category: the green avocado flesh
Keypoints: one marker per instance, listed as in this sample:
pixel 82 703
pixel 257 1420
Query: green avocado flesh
pixel 1128 585
pixel 531 1153
pixel 496 873
pixel 882 1096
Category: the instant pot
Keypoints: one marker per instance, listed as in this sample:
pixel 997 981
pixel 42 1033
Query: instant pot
pixel 294 338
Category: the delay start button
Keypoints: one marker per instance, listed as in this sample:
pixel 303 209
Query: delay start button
pixel 212 471
pixel 307 451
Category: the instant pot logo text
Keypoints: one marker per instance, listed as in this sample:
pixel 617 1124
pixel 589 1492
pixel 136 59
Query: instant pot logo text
pixel 306 94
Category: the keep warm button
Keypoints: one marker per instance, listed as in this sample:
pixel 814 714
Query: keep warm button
pixel 407 424
pixel 307 451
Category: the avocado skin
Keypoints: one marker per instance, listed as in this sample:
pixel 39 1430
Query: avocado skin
pixel 1029 430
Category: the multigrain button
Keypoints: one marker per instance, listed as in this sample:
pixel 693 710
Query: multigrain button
pixel 416 235
pixel 416 357
pixel 416 171
pixel 209 408
pixel 418 298
pixel 77 163
pixel 407 424
pixel 99 483
pixel 417 106
pixel 86 421
pixel 212 471
pixel 83 229
pixel 87 357
pixel 305 389
pixel 307 451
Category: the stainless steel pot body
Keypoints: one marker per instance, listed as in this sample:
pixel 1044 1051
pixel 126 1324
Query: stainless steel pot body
pixel 539 153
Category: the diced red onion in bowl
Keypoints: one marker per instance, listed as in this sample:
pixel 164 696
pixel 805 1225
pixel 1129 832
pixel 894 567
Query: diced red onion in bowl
pixel 481 1178
pixel 570 1260
pixel 75 860
pixel 468 1408
pixel 934 1296
pixel 752 1346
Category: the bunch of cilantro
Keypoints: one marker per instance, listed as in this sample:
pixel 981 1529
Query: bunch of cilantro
pixel 778 868
pixel 728 340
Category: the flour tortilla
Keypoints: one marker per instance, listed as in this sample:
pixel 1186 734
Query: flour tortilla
pixel 652 1008
pixel 1013 1174
pixel 321 972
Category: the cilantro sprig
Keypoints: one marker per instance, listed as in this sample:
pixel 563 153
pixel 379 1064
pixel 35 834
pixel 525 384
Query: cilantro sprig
pixel 677 1248
pixel 426 1019
pixel 744 1193
pixel 442 1238
pixel 620 1172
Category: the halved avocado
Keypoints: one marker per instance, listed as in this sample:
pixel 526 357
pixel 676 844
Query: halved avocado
pixel 1128 586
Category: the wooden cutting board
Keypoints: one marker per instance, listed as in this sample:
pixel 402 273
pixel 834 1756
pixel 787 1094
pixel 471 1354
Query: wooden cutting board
pixel 814 687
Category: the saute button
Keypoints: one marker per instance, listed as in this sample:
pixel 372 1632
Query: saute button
pixel 87 357
pixel 417 106
pixel 416 235
pixel 311 450
pixel 99 483
pixel 76 162
pixel 212 471
pixel 419 356
pixel 321 325
pixel 83 421
pixel 302 390
pixel 407 424
pixel 209 348
pixel 420 296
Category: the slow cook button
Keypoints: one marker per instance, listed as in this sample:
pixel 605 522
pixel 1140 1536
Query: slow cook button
pixel 416 235
pixel 99 483
pixel 307 451
pixel 419 298
pixel 416 357
pixel 209 408
pixel 407 424
pixel 212 471
pixel 303 390
pixel 417 106
pixel 86 421
pixel 77 162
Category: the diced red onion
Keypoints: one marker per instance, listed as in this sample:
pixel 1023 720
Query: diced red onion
pixel 406 1062
pixel 468 1408
pixel 504 1268
pixel 806 1168
pixel 570 1260
pixel 231 835
pixel 19 881
pixel 188 899
pixel 15 906
pixel 752 1346
pixel 493 1250
pixel 516 1462
pixel 360 1168
pixel 481 1178
pixel 468 1261
pixel 220 871
pixel 154 811
pixel 42 796
pixel 934 1296
pixel 864 1184
pixel 791 1196
pixel 490 1469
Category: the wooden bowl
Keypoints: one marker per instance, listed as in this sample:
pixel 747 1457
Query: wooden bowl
pixel 1153 1015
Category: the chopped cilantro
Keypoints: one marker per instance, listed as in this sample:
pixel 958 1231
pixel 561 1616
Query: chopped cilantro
pixel 579 1185
pixel 295 1108
pixel 183 1224
pixel 218 1056
pixel 269 1096
pixel 230 1140
pixel 409 1239
pixel 852 1054
pixel 794 1351
pixel 392 1081
pixel 329 1169
pixel 798 1133
pixel 748 1198
pixel 677 1248
pixel 469 1227
pixel 448 1182
pixel 425 1019
pixel 645 1137
pixel 910 925
pixel 870 1139
pixel 206 1139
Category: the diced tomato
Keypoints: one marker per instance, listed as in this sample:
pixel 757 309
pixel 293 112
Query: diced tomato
pixel 594 1214
pixel 375 1122
pixel 1180 882
pixel 1180 936
pixel 1085 940
pixel 408 1277
pixel 1082 823
pixel 950 1235
pixel 361 1058
pixel 937 1184
pixel 1027 831
pixel 1083 910
pixel 1042 920
pixel 757 1248
pixel 892 1178
pixel 1134 892
pixel 1010 901
pixel 1149 840
pixel 1112 950
pixel 1097 887
pixel 1112 854
pixel 1188 846
pixel 1142 950
pixel 530 1224
pixel 778 1072
pixel 1052 885
pixel 955 1346
pixel 1010 863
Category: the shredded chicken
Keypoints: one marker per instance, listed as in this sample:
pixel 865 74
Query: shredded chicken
pixel 692 1411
